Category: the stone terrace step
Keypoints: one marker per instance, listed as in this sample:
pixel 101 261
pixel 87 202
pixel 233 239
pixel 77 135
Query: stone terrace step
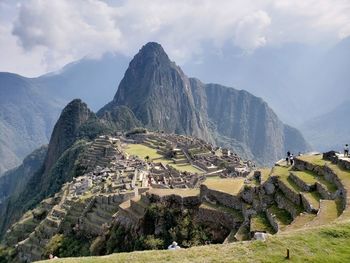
pixel 311 201
pixel 259 223
pixel 283 202
pixel 243 233
pixel 299 222
pixel 95 218
pixel 236 214
pixel 328 212
pixel 281 217
pixel 289 188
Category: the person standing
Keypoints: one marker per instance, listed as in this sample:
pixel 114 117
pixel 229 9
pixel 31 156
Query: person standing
pixel 291 159
pixel 346 150
pixel 288 157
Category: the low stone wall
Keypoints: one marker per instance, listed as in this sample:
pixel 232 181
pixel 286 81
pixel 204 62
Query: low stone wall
pixel 322 190
pixel 175 200
pixel 272 219
pixel 221 197
pixel 286 204
pixel 329 175
pixel 290 194
pixel 300 183
pixel 308 207
pixel 207 215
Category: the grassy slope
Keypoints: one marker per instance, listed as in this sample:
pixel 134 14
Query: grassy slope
pixel 329 244
pixel 230 186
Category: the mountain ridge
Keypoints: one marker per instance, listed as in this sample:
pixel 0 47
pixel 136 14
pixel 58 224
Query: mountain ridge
pixel 162 97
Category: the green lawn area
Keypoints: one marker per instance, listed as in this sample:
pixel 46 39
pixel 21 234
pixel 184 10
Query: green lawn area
pixel 231 186
pixel 142 151
pixel 177 191
pixel 324 244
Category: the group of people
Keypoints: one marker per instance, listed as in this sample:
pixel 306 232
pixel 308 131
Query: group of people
pixel 290 158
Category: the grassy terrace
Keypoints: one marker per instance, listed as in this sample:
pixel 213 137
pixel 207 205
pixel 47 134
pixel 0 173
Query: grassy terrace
pixel 260 223
pixel 328 212
pixel 313 198
pixel 311 178
pixel 177 191
pixel 142 151
pixel 265 174
pixel 330 243
pixel 283 174
pixel 231 186
pixel 282 215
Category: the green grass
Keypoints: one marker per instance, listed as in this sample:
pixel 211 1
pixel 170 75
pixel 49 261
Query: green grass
pixel 328 213
pixel 265 174
pixel 142 151
pixel 325 244
pixel 306 176
pixel 177 191
pixel 313 198
pixel 261 224
pixel 283 174
pixel 282 215
pixel 231 186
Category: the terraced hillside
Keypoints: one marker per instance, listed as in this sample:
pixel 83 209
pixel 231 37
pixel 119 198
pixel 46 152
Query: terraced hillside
pixel 139 203
pixel 306 205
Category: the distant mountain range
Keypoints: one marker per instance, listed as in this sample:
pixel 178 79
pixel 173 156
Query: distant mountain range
pixel 291 78
pixel 162 97
pixel 29 107
pixel 155 94
pixel 330 131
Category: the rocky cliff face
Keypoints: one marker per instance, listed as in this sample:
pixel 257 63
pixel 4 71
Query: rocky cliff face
pixel 162 97
pixel 159 94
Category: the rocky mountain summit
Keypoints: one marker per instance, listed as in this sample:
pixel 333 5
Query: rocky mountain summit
pixel 162 97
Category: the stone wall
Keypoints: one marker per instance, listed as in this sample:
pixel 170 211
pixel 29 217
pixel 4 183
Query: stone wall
pixel 207 215
pixel 272 219
pixel 221 197
pixel 304 186
pixel 289 193
pixel 286 204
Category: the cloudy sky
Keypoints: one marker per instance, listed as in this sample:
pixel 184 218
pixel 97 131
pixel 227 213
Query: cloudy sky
pixel 38 36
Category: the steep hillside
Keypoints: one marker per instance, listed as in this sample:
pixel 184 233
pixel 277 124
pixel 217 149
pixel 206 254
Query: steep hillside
pixel 27 117
pixel 76 126
pixel 14 181
pixel 29 107
pixel 162 97
pixel 329 131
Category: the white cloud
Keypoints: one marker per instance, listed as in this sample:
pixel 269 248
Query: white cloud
pixel 251 30
pixel 53 33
